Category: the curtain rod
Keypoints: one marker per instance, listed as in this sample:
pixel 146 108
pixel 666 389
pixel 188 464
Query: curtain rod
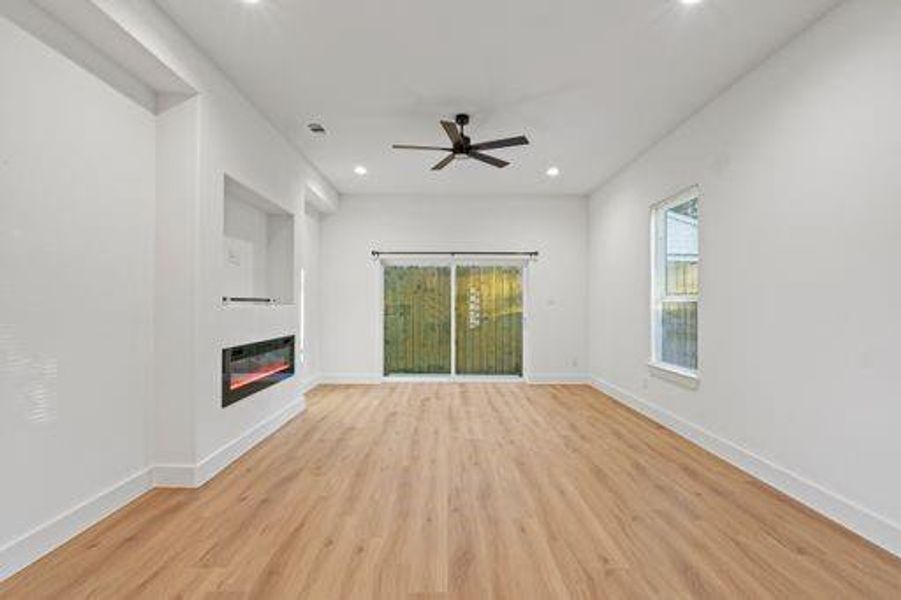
pixel 378 253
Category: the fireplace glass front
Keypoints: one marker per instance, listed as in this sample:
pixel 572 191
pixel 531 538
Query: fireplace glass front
pixel 250 368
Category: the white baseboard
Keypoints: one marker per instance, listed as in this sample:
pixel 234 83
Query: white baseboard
pixel 559 378
pixel 310 383
pixel 174 476
pixel 375 379
pixel 452 379
pixel 192 476
pixel 23 551
pixel 875 528
pixel 230 452
pixel 350 379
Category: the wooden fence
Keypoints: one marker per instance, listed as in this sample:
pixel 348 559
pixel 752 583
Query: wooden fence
pixel 417 320
pixel 489 320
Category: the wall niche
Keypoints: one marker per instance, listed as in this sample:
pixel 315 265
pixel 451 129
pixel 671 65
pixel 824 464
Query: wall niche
pixel 258 248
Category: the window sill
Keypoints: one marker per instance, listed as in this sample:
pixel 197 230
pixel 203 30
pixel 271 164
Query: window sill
pixel 674 374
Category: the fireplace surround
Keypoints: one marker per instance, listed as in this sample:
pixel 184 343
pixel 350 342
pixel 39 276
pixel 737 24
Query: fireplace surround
pixel 249 368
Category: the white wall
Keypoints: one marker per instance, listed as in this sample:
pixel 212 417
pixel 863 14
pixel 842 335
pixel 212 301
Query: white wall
pixel 111 321
pixel 77 171
pixel 246 242
pixel 801 233
pixel 177 157
pixel 310 263
pixel 554 226
pixel 234 140
pixel 237 142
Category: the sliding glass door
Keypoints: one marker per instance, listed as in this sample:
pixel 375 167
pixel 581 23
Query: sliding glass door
pixel 453 319
pixel 489 320
pixel 417 320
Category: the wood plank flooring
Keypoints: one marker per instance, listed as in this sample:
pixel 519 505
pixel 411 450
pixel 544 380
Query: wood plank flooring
pixel 467 491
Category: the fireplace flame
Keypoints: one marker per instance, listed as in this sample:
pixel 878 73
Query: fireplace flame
pixel 245 379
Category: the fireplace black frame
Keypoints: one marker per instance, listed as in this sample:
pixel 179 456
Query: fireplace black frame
pixel 230 355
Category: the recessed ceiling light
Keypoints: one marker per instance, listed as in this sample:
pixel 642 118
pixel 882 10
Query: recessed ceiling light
pixel 250 1
pixel 360 170
pixel 553 172
pixel 690 2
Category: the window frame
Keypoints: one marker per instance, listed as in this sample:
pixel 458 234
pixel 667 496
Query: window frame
pixel 676 373
pixel 454 260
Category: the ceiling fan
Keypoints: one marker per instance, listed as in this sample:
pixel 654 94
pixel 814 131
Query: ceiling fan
pixel 462 146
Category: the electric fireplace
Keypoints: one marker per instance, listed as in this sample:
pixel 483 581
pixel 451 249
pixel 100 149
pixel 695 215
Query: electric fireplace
pixel 250 368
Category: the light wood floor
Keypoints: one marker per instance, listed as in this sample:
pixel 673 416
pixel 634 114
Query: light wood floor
pixel 467 491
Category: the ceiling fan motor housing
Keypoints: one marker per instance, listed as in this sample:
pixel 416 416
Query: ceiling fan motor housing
pixel 465 148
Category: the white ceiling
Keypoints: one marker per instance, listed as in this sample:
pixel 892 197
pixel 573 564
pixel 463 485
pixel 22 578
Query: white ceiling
pixel 591 82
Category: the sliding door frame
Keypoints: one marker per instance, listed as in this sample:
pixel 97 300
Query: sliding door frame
pixel 452 261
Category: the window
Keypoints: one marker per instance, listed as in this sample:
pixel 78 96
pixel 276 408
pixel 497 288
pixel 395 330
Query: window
pixel 674 282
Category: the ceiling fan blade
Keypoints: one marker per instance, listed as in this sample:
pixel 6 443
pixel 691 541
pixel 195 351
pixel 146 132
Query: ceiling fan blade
pixel 504 143
pixel 495 162
pixel 452 132
pixel 414 147
pixel 444 162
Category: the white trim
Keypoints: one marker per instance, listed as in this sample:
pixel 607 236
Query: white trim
pixel 309 384
pixel 875 528
pixel 375 379
pixel 192 476
pixel 526 282
pixel 401 378
pixel 41 540
pixel 174 476
pixel 350 379
pixel 679 299
pixel 418 378
pixel 678 375
pixel 453 316
pixel 413 259
pixel 658 297
pixel 416 260
pixel 28 548
pixel 213 464
pixel 380 315
pixel 559 379
pixel 688 194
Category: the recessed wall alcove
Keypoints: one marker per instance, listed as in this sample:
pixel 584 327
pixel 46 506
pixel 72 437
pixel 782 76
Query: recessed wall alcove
pixel 258 248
